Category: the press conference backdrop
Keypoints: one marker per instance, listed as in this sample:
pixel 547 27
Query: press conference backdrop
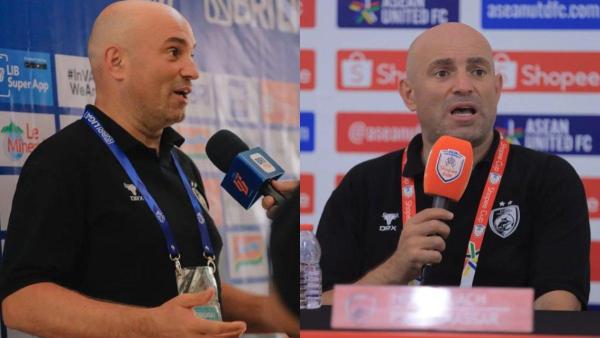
pixel 353 53
pixel 249 58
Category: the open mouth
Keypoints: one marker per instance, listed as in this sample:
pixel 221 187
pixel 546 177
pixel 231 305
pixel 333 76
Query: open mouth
pixel 183 92
pixel 463 111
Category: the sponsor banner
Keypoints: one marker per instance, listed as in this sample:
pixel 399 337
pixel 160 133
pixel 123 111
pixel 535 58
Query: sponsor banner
pixel 268 28
pixel 563 72
pixel 280 103
pixel 307 13
pixel 74 81
pixel 284 142
pixel 307 131
pixel 20 134
pixel 196 136
pixel 307 193
pixel 212 190
pixel 65 120
pixel 370 69
pixel 26 77
pixel 8 184
pixel 307 69
pixel 375 132
pixel 592 191
pixel 536 14
pixel 246 252
pixel 564 135
pixel 339 178
pixel 595 261
pixel 396 13
pixel 237 99
pixel 202 98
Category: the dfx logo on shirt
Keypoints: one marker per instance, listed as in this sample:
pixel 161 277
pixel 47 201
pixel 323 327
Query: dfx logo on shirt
pixel 389 217
pixel 135 197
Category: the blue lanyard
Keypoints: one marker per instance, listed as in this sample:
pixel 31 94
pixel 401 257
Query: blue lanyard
pixel 92 122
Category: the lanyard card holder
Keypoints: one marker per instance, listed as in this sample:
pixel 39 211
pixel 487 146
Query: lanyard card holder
pixel 197 279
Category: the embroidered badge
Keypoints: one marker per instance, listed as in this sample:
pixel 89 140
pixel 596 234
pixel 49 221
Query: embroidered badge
pixel 505 220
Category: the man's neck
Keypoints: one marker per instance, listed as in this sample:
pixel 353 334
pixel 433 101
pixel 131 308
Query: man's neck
pixel 478 151
pixel 149 137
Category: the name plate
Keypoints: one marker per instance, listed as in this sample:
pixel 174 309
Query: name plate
pixel 432 308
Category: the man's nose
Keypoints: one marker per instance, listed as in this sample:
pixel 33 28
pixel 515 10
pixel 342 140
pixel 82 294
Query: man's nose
pixel 463 84
pixel 190 70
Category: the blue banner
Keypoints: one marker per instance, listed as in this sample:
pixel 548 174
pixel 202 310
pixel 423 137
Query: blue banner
pixel 307 131
pixel 396 13
pixel 25 77
pixel 557 134
pixel 536 14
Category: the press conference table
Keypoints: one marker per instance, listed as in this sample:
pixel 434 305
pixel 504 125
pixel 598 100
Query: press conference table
pixel 316 324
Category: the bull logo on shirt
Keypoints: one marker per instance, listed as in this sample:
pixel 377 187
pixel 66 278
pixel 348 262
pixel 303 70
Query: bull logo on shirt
pixel 449 165
pixel 505 220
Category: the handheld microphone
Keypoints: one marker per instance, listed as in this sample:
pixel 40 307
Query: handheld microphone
pixel 248 172
pixel 447 174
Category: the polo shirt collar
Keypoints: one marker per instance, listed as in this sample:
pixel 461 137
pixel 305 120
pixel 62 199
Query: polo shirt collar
pixel 127 142
pixel 415 167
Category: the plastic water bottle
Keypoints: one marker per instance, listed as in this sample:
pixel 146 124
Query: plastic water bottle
pixel 310 272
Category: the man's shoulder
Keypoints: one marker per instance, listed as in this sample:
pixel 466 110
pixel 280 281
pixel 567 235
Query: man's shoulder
pixel 541 163
pixel 388 162
pixel 61 148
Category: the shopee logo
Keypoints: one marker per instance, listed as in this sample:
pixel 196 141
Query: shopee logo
pixel 370 69
pixel 549 71
pixel 592 191
pixel 307 193
pixel 307 69
pixel 307 13
pixel 375 132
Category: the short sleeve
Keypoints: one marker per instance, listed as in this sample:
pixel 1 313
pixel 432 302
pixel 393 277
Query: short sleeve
pixel 561 248
pixel 45 231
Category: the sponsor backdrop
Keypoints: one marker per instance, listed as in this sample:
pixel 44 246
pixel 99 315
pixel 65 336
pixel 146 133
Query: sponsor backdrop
pixel 353 52
pixel 249 58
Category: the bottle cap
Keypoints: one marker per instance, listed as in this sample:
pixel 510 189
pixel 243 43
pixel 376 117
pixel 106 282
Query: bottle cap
pixel 306 227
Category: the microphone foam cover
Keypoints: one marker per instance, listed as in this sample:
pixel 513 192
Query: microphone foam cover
pixel 448 168
pixel 222 147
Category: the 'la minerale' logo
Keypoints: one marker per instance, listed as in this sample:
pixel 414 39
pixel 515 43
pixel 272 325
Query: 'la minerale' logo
pixel 16 142
pixel 12 136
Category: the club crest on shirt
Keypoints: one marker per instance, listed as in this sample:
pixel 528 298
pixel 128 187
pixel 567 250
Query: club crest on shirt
pixel 505 220
pixel 449 165
pixel 360 307
pixel 198 195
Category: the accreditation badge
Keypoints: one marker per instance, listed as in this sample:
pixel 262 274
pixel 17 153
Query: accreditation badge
pixel 197 279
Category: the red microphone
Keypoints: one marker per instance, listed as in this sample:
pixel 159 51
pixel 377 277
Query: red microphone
pixel 447 173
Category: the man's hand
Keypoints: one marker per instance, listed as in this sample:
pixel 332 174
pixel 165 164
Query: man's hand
pixel 422 241
pixel 176 318
pixel 285 187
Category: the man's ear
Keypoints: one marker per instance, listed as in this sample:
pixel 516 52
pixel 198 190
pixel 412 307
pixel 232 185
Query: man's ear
pixel 499 81
pixel 114 62
pixel 408 94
